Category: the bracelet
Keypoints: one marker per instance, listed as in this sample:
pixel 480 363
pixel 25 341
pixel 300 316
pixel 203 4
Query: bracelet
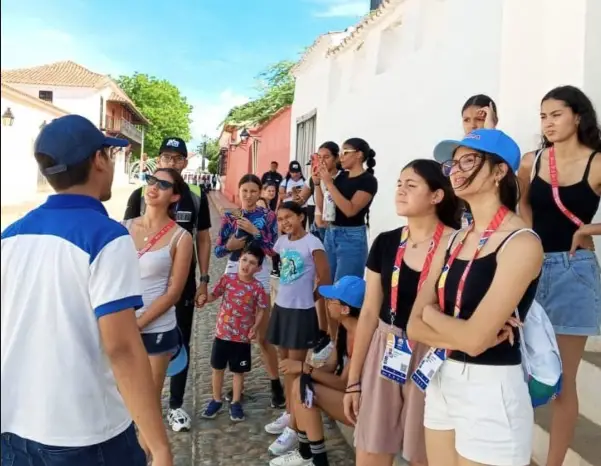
pixel 358 384
pixel 353 391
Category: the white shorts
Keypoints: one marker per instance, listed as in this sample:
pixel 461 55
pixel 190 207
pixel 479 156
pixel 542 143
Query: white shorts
pixel 489 409
pixel 262 274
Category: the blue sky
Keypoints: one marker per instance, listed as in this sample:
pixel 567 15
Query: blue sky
pixel 211 50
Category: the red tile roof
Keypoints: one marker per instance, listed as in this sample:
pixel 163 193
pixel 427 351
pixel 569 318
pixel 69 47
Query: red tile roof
pixel 70 74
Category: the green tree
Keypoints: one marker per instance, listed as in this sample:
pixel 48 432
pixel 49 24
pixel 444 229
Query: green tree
pixel 276 90
pixel 163 104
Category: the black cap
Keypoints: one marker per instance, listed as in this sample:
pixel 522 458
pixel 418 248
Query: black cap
pixel 174 145
pixel 294 167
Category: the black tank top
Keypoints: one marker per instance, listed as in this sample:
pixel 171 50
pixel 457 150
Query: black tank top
pixel 476 286
pixel 553 227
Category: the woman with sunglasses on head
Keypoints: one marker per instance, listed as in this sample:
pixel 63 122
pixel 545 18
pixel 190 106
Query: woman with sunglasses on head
pixel 478 408
pixel 257 225
pixel 165 254
pixel 352 192
pixel 562 189
pixel 390 408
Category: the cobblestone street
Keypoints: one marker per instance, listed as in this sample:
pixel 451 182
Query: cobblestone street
pixel 221 442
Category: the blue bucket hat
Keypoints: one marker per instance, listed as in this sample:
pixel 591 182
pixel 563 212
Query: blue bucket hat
pixel 349 289
pixel 179 360
pixel 71 139
pixel 491 141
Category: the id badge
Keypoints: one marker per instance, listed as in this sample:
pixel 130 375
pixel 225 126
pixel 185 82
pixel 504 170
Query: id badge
pixel 428 367
pixel 308 398
pixel 396 359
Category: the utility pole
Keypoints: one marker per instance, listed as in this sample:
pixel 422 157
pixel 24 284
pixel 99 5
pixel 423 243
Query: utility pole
pixel 203 151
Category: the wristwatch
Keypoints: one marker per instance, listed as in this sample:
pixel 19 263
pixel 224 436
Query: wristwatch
pixel 205 279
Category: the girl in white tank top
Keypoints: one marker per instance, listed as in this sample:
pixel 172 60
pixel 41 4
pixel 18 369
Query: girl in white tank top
pixel 165 251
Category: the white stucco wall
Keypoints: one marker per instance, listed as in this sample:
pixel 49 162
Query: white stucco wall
pixel 403 89
pixel 79 100
pixel 19 170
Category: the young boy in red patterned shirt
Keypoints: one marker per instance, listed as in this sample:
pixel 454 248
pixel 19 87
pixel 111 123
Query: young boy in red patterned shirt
pixel 242 308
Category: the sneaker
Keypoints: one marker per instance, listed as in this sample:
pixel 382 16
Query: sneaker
pixel 212 409
pixel 179 421
pixel 236 412
pixel 285 443
pixel 292 458
pixel 279 425
pixel 229 396
pixel 278 400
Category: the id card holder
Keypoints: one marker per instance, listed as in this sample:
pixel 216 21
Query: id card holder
pixel 428 367
pixel 396 359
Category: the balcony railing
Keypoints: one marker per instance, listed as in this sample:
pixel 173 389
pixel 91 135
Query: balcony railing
pixel 124 127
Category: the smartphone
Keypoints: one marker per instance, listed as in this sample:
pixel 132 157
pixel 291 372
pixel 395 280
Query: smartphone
pixel 314 162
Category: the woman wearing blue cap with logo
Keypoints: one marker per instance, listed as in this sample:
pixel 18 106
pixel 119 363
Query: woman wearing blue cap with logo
pixel 562 189
pixel 478 408
pixel 165 254
pixel 321 389
pixel 390 409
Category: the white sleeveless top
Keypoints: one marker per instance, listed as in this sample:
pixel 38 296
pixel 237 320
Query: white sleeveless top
pixel 155 268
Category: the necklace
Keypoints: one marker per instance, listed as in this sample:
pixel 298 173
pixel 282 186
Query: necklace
pixel 415 244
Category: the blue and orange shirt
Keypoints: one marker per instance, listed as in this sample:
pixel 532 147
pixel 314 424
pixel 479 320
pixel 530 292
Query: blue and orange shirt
pixel 265 220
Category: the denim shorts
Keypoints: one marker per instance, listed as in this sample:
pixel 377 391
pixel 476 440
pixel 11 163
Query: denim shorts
pixel 122 450
pixel 346 248
pixel 161 342
pixel 570 291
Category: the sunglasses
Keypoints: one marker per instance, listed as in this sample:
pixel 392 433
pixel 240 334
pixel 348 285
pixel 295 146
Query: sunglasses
pixel 465 163
pixel 348 151
pixel 163 185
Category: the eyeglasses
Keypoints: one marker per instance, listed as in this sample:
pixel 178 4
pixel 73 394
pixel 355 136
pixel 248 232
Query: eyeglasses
pixel 163 185
pixel 173 158
pixel 465 163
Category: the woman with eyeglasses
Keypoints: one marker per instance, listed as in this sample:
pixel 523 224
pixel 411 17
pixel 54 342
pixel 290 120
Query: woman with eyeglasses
pixel 165 254
pixel 478 408
pixel 562 191
pixel 352 192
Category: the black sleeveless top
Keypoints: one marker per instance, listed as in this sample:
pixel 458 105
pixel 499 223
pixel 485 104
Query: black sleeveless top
pixel 476 286
pixel 553 227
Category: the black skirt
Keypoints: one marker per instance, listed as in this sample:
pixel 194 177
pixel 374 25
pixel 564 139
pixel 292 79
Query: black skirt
pixel 295 329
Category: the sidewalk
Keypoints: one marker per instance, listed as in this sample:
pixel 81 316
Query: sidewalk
pixel 221 203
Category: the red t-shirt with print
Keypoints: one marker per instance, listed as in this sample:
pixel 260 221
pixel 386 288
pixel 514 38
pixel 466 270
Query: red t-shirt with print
pixel 239 306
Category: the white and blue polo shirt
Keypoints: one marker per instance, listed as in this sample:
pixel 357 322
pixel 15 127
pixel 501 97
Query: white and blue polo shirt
pixel 65 265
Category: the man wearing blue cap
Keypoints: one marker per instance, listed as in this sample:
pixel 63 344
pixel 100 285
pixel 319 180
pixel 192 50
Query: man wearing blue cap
pixel 73 362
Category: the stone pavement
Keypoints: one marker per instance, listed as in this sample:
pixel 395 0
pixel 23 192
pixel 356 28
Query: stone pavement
pixel 220 442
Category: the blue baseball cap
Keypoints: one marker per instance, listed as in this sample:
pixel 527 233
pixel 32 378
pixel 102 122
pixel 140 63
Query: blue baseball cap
pixel 492 141
pixel 71 139
pixel 349 289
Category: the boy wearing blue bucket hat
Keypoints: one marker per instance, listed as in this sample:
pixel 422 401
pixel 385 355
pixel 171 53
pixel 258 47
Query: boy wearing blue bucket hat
pixel 242 308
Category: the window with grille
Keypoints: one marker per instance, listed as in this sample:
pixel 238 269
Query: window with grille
pixel 45 95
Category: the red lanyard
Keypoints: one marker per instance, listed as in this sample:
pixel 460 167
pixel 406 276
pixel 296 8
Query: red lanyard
pixel 555 189
pixel 492 227
pixel 398 262
pixel 155 238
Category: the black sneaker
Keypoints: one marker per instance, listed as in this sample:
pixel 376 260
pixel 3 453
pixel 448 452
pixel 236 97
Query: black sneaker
pixel 229 396
pixel 278 400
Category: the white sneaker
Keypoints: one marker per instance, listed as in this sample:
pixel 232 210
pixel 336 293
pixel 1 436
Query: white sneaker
pixel 279 425
pixel 179 421
pixel 287 441
pixel 292 458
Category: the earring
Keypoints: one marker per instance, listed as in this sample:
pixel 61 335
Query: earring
pixel 497 183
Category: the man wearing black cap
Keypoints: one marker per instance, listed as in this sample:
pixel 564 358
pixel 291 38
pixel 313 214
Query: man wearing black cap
pixel 73 362
pixel 192 213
